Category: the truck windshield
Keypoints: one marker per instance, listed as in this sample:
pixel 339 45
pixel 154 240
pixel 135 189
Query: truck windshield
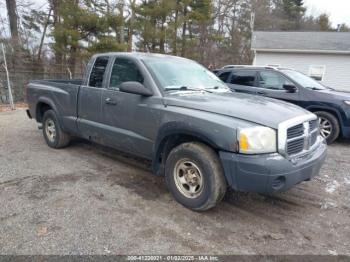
pixel 183 75
pixel 304 80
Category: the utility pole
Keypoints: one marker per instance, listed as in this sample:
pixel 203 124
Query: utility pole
pixel 8 79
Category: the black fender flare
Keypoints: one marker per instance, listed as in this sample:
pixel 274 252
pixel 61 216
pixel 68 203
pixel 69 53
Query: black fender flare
pixel 176 128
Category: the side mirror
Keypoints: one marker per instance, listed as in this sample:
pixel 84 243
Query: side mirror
pixel 135 88
pixel 290 88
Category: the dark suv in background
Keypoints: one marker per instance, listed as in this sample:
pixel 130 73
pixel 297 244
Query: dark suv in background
pixel 331 106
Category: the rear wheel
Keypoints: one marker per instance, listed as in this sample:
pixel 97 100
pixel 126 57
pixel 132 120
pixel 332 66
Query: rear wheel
pixel 54 136
pixel 329 126
pixel 195 177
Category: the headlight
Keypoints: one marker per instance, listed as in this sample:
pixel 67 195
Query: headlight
pixel 347 102
pixel 257 140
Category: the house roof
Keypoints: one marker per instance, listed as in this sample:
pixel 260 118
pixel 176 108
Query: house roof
pixel 323 42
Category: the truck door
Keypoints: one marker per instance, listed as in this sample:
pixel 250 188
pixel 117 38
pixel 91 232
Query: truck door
pixel 126 116
pixel 89 100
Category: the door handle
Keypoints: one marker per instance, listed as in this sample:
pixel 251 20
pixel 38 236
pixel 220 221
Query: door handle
pixel 261 93
pixel 110 101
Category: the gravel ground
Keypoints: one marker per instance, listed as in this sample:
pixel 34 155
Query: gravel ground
pixel 86 199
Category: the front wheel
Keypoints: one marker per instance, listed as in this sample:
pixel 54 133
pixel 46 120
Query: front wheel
pixel 194 176
pixel 329 126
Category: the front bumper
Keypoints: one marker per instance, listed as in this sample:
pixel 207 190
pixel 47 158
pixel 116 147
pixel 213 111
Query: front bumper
pixel 270 173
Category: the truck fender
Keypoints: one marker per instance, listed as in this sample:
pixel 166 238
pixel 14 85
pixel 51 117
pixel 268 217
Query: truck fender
pixel 179 129
pixel 49 102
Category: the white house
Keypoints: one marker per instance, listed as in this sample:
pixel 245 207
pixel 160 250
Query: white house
pixel 324 56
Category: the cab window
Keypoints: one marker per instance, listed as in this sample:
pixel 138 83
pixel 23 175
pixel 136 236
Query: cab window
pixel 124 70
pixel 98 71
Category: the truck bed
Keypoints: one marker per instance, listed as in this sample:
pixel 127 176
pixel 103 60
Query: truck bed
pixel 58 81
pixel 60 94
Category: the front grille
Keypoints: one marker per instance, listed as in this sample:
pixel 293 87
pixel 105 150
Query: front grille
pixel 301 137
pixel 296 146
pixel 295 131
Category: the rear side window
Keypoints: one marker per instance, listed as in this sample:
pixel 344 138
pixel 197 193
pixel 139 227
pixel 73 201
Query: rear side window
pixel 98 71
pixel 124 70
pixel 244 78
pixel 224 76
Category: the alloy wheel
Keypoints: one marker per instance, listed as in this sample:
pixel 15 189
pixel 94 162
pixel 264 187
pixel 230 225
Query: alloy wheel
pixel 326 127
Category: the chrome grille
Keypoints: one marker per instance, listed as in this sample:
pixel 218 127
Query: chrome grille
pixel 295 131
pixel 301 137
pixel 295 147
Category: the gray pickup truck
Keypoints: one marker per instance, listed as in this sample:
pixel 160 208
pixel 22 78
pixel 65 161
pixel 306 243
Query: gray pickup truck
pixel 198 134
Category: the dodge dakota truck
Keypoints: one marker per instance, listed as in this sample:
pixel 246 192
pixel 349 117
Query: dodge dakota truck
pixel 198 134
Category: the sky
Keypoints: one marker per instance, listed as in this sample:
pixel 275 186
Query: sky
pixel 339 10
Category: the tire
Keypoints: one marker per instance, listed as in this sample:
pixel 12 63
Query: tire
pixel 195 165
pixel 328 123
pixel 54 136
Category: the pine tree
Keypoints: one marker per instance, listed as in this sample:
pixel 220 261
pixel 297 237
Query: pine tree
pixel 84 27
pixel 154 18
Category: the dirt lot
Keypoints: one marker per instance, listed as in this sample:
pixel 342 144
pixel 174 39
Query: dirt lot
pixel 90 200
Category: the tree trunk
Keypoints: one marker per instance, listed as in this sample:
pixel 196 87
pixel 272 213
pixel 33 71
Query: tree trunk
pixel 175 27
pixel 121 30
pixel 131 24
pixel 74 47
pixel 43 35
pixel 184 29
pixel 13 20
pixel 73 60
pixel 55 6
pixel 162 39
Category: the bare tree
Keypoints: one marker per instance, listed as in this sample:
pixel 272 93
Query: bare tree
pixel 13 19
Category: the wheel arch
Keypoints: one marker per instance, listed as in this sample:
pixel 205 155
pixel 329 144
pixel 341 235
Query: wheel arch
pixel 42 106
pixel 169 138
pixel 332 111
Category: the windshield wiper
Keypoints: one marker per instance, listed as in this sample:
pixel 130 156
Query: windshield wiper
pixel 314 88
pixel 185 88
pixel 218 88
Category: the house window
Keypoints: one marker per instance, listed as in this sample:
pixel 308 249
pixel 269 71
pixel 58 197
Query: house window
pixel 317 72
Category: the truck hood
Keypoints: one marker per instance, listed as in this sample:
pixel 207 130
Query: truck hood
pixel 263 111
